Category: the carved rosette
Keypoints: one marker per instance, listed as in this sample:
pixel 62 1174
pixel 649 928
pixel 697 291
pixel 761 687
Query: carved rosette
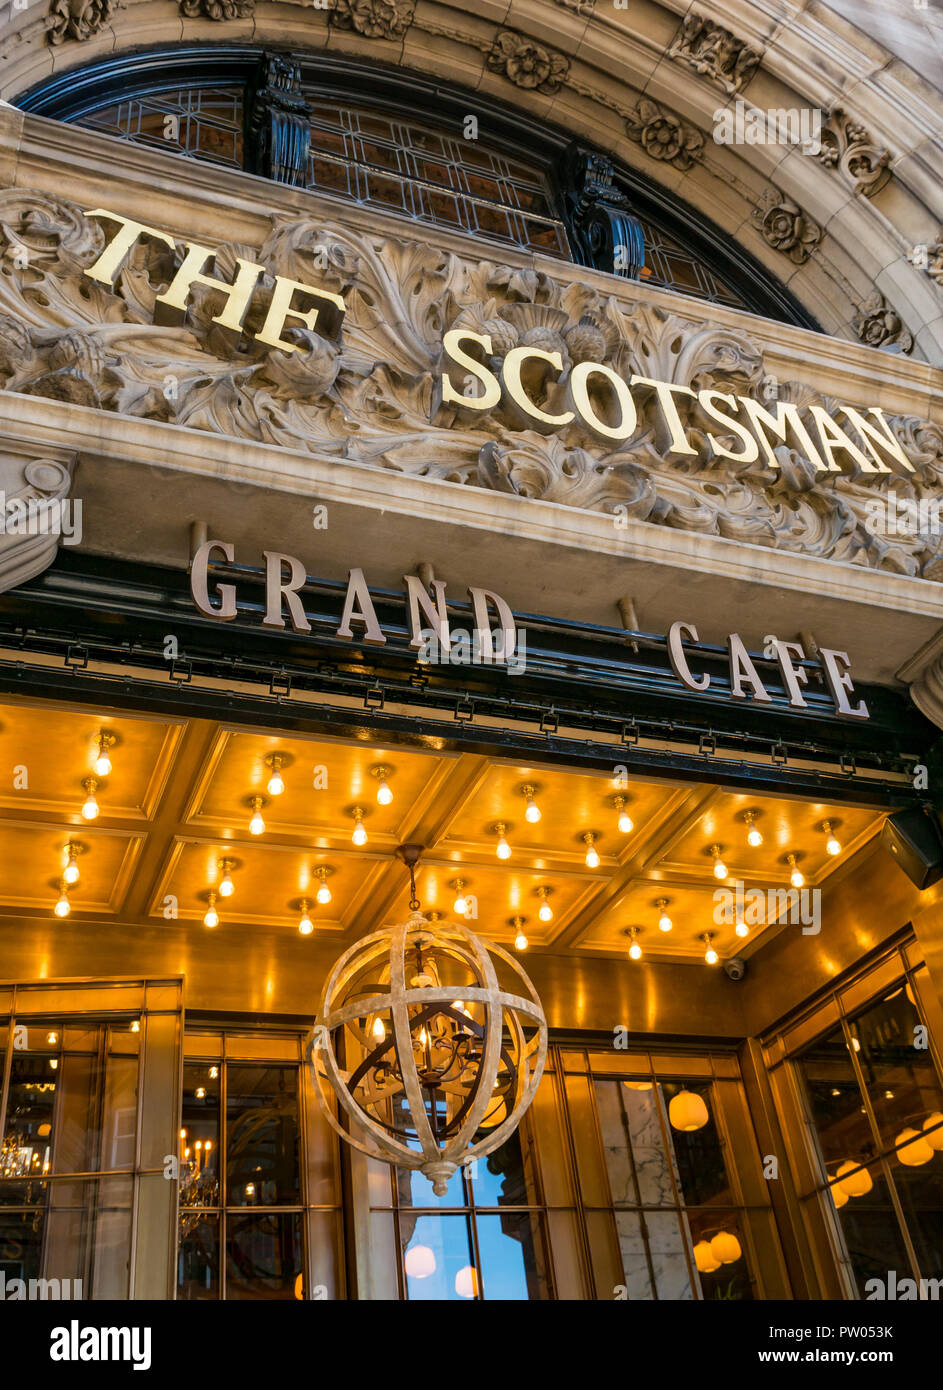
pixel 528 64
pixel 78 19
pixel 664 136
pixel 370 394
pixel 878 325
pixel 218 10
pixel 375 19
pixel 715 53
pixel 785 227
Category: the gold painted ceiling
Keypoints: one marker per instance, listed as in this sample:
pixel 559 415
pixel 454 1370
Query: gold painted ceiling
pixel 179 800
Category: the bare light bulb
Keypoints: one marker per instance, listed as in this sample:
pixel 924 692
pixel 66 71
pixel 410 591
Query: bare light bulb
pixel 324 894
pixel 378 1030
pixel 592 855
pixel 546 912
pixel 257 824
pixel 102 765
pixel 635 951
pixel 90 809
pixel 305 926
pixel 742 929
pixel 832 845
pixel 276 784
pixel 384 795
pixel 532 812
pixel 520 942
pixel 710 955
pixel 460 905
pixel 63 907
pixel 796 878
pixel 70 873
pixel 359 837
pixel 211 916
pixel 754 838
pixel 720 868
pixel 502 849
pixel 226 885
pixel 626 823
pixel 664 922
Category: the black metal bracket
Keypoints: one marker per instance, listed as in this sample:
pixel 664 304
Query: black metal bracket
pixel 278 125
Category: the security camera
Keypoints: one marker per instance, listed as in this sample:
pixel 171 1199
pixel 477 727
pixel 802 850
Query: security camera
pixel 736 967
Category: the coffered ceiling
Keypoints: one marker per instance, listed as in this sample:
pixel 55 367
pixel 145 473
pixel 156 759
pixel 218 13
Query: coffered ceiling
pixel 179 800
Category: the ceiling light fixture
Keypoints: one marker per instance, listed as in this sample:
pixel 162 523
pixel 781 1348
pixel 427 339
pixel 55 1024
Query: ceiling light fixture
pixel 754 837
pixel 276 783
pixel 832 845
pixel 305 926
pixel 381 773
pixel 710 955
pixel 460 905
pixel 70 873
pixel 720 868
pixel 359 837
pixel 257 824
pixel 502 849
pixel 741 927
pixel 226 885
pixel 323 895
pixel 211 916
pixel 102 763
pixel 545 912
pixel 664 922
pixel 626 823
pixel 635 950
pixel 90 809
pixel 52 1039
pixel 532 813
pixel 63 907
pixel 796 878
pixel 520 940
pixel 592 855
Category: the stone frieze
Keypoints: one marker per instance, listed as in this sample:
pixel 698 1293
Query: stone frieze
pixel 370 394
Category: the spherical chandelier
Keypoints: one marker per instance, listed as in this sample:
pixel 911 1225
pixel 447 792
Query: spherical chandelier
pixel 432 1041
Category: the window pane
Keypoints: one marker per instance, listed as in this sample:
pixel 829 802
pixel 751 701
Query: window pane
pixel 699 1156
pixel 21 1244
pixel 27 1142
pixel 921 1195
pixel 900 1078
pixel 263 1256
pixel 198 1257
pixel 513 1256
pixel 506 1178
pixel 437 1258
pixel 722 1272
pixel 262 1136
pixel 872 1234
pixel 199 1136
pixel 835 1101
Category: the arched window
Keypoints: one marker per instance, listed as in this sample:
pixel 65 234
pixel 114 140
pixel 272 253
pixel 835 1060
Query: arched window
pixel 403 143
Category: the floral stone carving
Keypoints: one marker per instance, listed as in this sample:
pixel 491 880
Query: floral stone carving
pixel 375 19
pixel 715 53
pixel 785 227
pixel 369 395
pixel 878 325
pixel 847 147
pixel 528 64
pixel 78 19
pixel 664 136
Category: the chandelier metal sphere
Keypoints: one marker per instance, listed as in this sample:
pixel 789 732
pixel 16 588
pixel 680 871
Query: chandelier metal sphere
pixel 433 1042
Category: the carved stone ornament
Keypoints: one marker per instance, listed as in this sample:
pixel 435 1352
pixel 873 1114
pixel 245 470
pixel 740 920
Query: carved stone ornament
pixel 847 147
pixel 368 395
pixel 217 9
pixel 784 226
pixel 934 260
pixel 715 53
pixel 375 19
pixel 528 64
pixel 878 325
pixel 664 136
pixel 78 19
pixel 31 490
